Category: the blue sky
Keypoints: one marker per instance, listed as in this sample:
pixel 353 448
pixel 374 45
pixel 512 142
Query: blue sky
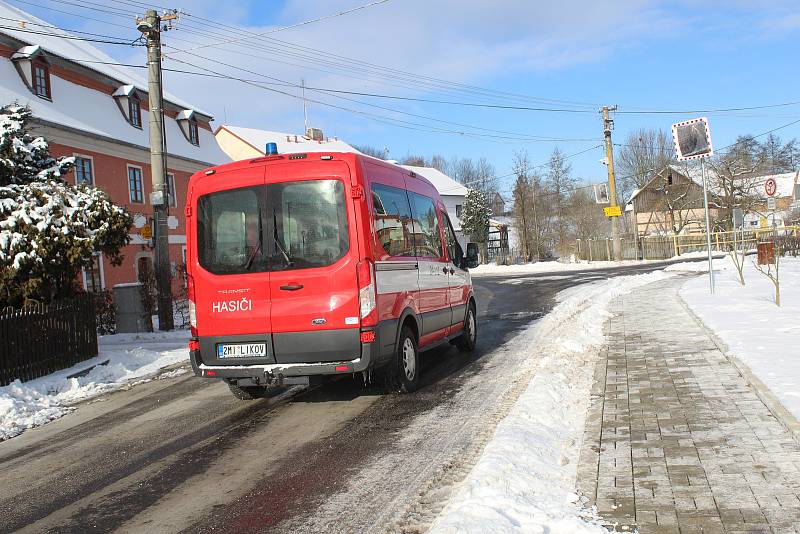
pixel 639 54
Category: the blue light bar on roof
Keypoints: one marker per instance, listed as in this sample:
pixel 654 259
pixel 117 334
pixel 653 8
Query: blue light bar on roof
pixel 272 149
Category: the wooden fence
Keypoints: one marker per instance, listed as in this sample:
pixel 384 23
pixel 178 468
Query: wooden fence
pixel 669 246
pixel 41 339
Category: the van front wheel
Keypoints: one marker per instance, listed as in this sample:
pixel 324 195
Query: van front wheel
pixel 466 341
pixel 404 370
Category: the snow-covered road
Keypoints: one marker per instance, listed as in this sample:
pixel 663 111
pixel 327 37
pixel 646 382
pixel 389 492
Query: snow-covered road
pixel 181 453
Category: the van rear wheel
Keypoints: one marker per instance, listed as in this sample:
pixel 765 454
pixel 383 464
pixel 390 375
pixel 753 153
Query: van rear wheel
pixel 404 369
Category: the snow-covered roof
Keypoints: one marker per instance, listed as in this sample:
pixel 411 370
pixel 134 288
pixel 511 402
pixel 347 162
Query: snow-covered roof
pixel 785 183
pixel 80 108
pixel 26 52
pixel 80 52
pixel 443 183
pixel 287 143
pixel 124 90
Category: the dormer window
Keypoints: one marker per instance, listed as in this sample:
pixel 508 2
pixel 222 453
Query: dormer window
pixel 135 111
pixel 33 68
pixel 129 104
pixel 188 124
pixel 41 80
pixel 194 136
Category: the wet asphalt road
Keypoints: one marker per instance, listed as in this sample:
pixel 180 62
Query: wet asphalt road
pixel 182 454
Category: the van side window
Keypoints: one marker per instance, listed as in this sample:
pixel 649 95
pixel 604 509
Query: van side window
pixel 393 221
pixel 428 241
pixel 454 249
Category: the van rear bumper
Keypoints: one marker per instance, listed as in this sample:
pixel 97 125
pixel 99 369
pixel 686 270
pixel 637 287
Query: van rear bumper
pixel 272 373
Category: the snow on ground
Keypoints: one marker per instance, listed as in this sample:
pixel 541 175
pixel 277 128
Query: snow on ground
pixel 763 336
pixel 525 478
pixel 132 358
pixel 490 269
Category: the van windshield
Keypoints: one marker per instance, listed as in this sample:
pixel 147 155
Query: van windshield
pixel 289 225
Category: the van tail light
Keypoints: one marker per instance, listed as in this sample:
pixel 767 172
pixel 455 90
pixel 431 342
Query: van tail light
pixel 366 293
pixel 194 344
pixel 192 307
pixel 368 336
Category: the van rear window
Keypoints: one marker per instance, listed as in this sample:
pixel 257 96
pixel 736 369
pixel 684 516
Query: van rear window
pixel 289 225
pixel 230 231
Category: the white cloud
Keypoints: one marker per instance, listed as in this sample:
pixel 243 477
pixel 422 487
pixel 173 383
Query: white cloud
pixel 460 41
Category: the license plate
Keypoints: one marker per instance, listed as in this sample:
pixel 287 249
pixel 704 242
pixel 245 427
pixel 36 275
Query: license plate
pixel 242 350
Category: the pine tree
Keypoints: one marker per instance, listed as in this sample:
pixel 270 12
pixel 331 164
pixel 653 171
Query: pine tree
pixel 49 229
pixel 475 216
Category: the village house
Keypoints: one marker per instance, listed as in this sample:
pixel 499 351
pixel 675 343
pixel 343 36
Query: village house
pixel 670 203
pixel 497 205
pixel 89 107
pixel 786 200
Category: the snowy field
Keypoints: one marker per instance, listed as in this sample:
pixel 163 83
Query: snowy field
pixel 133 358
pixel 525 478
pixel 757 332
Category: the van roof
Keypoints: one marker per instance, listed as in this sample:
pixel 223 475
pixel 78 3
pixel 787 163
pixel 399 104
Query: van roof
pixel 342 156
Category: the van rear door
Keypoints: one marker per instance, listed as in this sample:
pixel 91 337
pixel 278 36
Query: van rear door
pixel 230 273
pixel 313 252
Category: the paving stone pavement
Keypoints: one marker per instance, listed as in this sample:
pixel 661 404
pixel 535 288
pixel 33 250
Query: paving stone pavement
pixel 676 440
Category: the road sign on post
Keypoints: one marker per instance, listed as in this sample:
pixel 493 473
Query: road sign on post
pixel 613 211
pixel 766 253
pixel 771 204
pixel 771 187
pixel 693 141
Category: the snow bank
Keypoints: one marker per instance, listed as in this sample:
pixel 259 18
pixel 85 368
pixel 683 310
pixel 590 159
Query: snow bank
pixel 525 478
pixel 762 335
pixel 557 266
pixel 132 358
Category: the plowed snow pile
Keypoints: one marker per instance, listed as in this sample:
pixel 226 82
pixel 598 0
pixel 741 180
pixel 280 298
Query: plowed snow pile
pixel 525 478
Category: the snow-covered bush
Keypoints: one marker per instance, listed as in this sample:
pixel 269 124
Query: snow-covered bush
pixel 49 229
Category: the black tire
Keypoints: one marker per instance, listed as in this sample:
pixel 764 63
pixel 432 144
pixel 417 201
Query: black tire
pixel 247 392
pixel 403 371
pixel 466 341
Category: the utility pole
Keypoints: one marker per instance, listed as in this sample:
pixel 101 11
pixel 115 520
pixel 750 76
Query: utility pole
pixel 608 125
pixel 150 26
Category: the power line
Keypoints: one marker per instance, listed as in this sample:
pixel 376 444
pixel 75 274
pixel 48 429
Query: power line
pixel 72 37
pixel 291 26
pixel 516 136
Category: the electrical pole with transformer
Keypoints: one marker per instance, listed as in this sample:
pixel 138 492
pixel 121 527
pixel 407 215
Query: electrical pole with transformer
pixel 613 211
pixel 150 26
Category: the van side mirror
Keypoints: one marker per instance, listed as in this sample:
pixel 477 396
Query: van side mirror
pixel 472 255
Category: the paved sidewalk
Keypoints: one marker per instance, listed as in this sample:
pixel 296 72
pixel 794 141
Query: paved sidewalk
pixel 676 440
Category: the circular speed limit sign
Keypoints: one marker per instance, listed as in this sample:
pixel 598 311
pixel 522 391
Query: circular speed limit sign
pixel 770 187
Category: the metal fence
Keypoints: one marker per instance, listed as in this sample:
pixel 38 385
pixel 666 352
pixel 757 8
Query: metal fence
pixel 669 246
pixel 41 339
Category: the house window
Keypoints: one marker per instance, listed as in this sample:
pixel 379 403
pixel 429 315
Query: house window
pixel 171 190
pixel 194 136
pixel 93 276
pixel 459 207
pixel 135 185
pixel 84 173
pixel 135 111
pixel 41 81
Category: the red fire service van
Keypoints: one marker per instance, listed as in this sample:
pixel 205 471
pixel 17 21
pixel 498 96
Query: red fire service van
pixel 305 265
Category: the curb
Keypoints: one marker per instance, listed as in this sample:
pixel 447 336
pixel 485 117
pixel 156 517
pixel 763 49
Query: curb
pixel 784 416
